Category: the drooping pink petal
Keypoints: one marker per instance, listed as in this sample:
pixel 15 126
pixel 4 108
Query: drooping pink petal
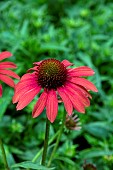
pixel 67 103
pixel 26 80
pixel 77 104
pixel 24 89
pixel 28 76
pixel 9 73
pixel 23 85
pixel 76 91
pixel 5 54
pixel 40 105
pixel 26 98
pixel 81 88
pixel 4 65
pixel 0 90
pixel 67 63
pixel 7 80
pixel 37 63
pixel 32 69
pixel 81 71
pixel 83 82
pixel 52 106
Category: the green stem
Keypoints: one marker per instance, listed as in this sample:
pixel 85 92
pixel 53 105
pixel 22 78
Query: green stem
pixel 4 155
pixel 46 142
pixel 57 141
pixel 39 153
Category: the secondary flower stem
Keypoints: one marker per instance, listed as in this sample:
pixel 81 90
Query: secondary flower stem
pixel 57 141
pixel 46 142
pixel 4 155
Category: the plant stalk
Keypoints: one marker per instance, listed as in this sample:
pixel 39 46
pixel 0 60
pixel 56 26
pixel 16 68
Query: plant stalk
pixel 45 142
pixel 4 156
pixel 57 141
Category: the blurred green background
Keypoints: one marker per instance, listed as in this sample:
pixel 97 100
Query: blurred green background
pixel 82 32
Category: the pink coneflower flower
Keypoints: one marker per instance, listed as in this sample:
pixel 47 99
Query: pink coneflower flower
pixel 56 79
pixel 72 122
pixel 4 73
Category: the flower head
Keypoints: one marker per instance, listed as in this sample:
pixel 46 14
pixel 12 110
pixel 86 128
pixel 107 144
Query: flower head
pixel 72 122
pixel 4 73
pixel 56 79
pixel 89 166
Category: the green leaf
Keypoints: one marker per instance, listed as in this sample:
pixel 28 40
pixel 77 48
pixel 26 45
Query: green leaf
pixel 98 129
pixel 5 100
pixel 94 152
pixel 31 165
pixel 65 159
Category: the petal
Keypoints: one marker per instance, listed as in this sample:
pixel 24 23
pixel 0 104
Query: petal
pixel 28 76
pixel 21 91
pixel 0 90
pixel 76 91
pixel 40 105
pixel 52 106
pixel 25 99
pixel 7 65
pixel 32 69
pixel 82 89
pixel 9 73
pixel 7 80
pixel 24 84
pixel 67 63
pixel 67 103
pixel 81 71
pixel 83 82
pixel 26 80
pixel 77 104
pixel 5 54
pixel 37 63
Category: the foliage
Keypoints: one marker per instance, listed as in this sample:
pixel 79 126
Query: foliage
pixel 80 31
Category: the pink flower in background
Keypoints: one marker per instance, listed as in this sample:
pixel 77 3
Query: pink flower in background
pixel 4 73
pixel 55 79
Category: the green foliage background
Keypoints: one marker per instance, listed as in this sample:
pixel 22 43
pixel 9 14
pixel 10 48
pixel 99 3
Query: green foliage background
pixel 82 32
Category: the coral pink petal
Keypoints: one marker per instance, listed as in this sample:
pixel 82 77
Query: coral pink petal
pixel 25 99
pixel 40 105
pixel 81 96
pixel 23 85
pixel 52 106
pixel 67 103
pixel 5 54
pixel 28 76
pixel 67 63
pixel 7 65
pixel 32 69
pixel 77 104
pixel 7 80
pixel 24 89
pixel 0 90
pixel 37 63
pixel 83 82
pixel 81 71
pixel 9 73
pixel 83 90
